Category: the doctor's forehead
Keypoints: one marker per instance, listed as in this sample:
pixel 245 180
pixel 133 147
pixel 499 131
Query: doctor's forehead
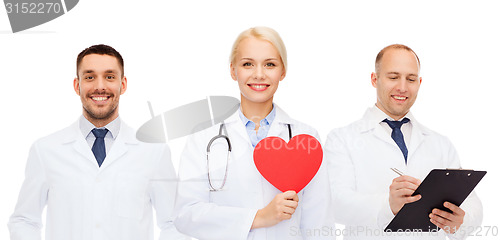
pixel 99 63
pixel 389 52
pixel 398 61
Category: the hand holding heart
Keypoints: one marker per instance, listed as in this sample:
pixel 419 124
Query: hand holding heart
pixel 289 167
pixel 280 208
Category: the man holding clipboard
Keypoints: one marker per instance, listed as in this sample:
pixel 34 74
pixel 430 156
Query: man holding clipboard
pixel 366 193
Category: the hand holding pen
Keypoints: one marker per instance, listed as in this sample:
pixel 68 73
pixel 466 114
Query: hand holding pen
pixel 401 190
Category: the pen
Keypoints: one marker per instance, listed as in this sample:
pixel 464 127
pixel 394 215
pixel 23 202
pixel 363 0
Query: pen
pixel 397 171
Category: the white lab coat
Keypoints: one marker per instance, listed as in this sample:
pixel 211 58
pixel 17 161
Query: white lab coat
pixel 359 158
pixel 85 202
pixel 228 214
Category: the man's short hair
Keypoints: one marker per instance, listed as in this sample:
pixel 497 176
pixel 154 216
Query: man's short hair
pixel 393 46
pixel 100 49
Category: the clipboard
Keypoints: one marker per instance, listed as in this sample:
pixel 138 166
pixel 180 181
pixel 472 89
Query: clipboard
pixel 440 185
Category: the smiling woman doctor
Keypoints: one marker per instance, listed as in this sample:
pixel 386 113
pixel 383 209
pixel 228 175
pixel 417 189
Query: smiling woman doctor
pixel 221 194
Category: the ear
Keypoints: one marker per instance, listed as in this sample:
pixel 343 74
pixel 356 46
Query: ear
pixel 123 85
pixel 233 72
pixel 283 75
pixel 374 80
pixel 76 85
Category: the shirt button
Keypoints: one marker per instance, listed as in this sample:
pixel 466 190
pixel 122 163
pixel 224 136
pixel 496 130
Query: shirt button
pixel 98 180
pixel 98 225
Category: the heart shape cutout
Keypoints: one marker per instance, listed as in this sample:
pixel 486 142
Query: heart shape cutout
pixel 288 166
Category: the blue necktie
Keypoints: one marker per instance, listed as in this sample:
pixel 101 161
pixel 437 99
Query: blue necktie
pixel 99 149
pixel 397 135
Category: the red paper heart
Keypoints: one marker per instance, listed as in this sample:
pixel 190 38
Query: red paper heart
pixel 288 166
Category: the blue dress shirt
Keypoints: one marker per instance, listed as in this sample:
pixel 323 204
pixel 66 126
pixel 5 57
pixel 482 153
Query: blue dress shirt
pixel 265 124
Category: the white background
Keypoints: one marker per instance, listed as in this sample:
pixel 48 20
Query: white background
pixel 177 52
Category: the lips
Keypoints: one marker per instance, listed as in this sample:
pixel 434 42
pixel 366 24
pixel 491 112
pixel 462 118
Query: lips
pixel 258 87
pixel 100 99
pixel 399 97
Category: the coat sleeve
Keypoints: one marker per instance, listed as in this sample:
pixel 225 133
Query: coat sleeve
pixel 163 189
pixel 196 215
pixel 26 221
pixel 347 202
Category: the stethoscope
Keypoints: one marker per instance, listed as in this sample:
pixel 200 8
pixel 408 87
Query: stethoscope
pixel 229 149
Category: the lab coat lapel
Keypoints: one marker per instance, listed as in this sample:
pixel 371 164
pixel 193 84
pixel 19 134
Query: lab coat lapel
pixel 242 154
pixel 278 125
pixel 122 143
pixel 370 123
pixel 238 129
pixel 417 137
pixel 380 133
pixel 78 143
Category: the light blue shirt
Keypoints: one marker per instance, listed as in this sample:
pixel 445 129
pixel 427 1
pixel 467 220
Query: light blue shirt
pixel 265 124
pixel 113 127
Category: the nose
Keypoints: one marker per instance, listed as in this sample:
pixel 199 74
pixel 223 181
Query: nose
pixel 100 83
pixel 259 72
pixel 402 85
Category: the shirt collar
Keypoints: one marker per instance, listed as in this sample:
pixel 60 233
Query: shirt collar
pixel 113 127
pixel 267 121
pixel 379 115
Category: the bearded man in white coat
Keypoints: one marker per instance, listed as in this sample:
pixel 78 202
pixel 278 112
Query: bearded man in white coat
pixel 366 196
pixel 96 179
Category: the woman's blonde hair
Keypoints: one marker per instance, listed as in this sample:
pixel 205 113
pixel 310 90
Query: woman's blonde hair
pixel 262 33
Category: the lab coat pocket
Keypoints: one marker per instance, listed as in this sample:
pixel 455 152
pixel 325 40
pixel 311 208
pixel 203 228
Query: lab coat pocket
pixel 229 192
pixel 130 196
pixel 224 197
pixel 217 180
pixel 234 194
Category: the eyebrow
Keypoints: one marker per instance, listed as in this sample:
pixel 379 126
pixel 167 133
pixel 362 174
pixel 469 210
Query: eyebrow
pixel 92 71
pixel 397 73
pixel 251 59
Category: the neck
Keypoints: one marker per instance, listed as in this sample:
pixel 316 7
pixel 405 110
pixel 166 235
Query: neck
pixel 256 111
pixel 396 118
pixel 99 122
